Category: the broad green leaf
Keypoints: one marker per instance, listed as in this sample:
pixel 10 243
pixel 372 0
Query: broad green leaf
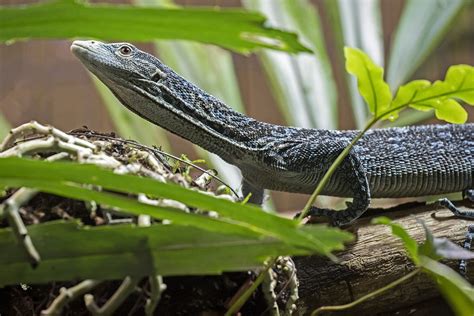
pixel 370 82
pixel 64 178
pixel 410 244
pixel 70 251
pixel 133 207
pixel 456 290
pixel 234 29
pixel 440 96
pixel 405 96
pixel 422 26
pixel 450 111
pixel 302 84
pixel 459 78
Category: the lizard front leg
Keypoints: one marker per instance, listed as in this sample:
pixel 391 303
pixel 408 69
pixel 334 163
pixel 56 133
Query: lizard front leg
pixel 352 173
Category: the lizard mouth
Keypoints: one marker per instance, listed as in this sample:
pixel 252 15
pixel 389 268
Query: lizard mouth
pixel 88 53
pixel 80 46
pixel 84 49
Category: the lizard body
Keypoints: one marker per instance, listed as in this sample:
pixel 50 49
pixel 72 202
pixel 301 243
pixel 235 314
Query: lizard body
pixel 392 162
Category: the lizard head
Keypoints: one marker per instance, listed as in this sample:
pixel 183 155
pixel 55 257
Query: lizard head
pixel 118 61
pixel 135 77
pixel 152 90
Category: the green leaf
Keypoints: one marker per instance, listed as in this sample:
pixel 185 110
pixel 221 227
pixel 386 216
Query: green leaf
pixel 234 29
pixel 405 96
pixel 63 178
pixel 370 82
pixel 133 207
pixel 458 83
pixel 440 96
pixel 417 35
pixel 450 111
pixel 410 244
pixel 456 290
pixel 70 251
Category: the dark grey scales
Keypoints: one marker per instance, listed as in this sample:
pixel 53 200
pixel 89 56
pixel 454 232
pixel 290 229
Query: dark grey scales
pixel 392 162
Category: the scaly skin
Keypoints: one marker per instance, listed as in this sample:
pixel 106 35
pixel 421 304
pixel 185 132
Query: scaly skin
pixel 392 162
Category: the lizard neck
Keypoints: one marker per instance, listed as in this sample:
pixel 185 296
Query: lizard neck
pixel 184 109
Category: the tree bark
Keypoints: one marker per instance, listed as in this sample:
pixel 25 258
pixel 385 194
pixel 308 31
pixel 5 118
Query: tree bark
pixel 376 259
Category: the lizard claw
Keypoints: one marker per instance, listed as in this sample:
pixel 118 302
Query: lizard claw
pixel 335 218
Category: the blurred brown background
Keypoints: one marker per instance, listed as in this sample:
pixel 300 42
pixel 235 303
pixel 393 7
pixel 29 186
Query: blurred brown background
pixel 43 81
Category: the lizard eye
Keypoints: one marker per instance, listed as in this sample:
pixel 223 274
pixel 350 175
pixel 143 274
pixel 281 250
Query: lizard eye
pixel 125 50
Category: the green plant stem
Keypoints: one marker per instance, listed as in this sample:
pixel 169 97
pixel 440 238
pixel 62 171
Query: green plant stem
pixel 333 168
pixel 245 296
pixel 368 296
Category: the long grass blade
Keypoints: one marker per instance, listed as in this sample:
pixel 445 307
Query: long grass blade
pixel 234 29
pixel 421 28
pixel 303 84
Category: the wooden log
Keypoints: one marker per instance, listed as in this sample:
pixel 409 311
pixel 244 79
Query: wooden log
pixel 377 258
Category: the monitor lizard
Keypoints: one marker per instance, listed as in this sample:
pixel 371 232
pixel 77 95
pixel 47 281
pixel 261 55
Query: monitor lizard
pixel 384 163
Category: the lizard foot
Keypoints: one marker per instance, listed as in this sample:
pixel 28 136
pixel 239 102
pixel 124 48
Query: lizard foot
pixel 467 245
pixel 336 218
pixel 469 193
